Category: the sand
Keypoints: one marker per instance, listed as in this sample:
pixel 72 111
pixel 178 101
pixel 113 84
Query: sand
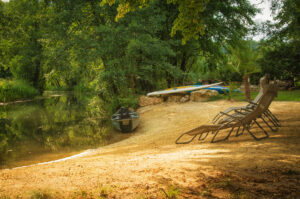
pixel 150 165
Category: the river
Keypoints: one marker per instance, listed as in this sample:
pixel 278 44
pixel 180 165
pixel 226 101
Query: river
pixel 48 129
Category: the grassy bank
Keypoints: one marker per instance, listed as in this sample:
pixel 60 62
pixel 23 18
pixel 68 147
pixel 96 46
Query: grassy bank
pixel 11 90
pixel 282 96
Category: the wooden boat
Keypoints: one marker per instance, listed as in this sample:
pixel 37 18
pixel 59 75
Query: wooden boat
pixel 182 89
pixel 125 120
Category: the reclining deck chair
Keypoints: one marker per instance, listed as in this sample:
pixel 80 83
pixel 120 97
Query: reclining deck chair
pixel 243 120
pixel 264 83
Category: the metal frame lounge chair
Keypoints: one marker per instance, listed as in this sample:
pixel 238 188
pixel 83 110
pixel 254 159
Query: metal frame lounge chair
pixel 245 120
pixel 222 117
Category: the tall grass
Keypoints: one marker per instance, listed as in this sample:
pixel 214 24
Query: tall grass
pixel 11 90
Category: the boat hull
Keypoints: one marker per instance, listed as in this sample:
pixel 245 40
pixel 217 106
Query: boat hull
pixel 125 124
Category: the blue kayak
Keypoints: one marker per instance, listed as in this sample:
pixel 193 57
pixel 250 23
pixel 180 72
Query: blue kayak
pixel 220 89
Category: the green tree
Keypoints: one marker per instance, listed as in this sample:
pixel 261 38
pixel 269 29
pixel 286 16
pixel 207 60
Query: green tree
pixel 20 46
pixel 78 44
pixel 287 15
pixel 135 58
pixel 281 50
pixel 4 72
pixel 282 61
pixel 191 18
pixel 243 60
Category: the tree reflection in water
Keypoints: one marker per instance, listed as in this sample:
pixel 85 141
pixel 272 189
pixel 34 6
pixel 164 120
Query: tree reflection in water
pixel 64 123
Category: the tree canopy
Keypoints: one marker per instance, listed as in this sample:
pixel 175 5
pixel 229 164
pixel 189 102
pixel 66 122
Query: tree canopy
pixel 281 50
pixel 120 49
pixel 193 18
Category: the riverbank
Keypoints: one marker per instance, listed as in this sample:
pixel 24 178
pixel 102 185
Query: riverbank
pixel 149 165
pixel 28 100
pixel 51 127
pixel 16 90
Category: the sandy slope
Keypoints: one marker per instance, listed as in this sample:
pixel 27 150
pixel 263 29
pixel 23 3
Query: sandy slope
pixel 149 163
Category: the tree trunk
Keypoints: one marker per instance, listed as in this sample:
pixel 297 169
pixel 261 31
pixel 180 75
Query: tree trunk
pixel 246 87
pixel 183 65
pixel 132 83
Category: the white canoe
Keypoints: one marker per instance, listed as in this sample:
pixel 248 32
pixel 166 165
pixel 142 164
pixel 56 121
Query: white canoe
pixel 182 89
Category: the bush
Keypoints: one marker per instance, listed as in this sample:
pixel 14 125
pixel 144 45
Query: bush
pixel 16 89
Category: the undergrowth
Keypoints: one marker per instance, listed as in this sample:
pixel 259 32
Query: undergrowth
pixel 11 90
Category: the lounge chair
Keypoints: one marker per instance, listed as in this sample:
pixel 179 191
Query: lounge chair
pixel 264 83
pixel 245 120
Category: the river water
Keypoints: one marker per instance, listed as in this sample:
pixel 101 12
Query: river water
pixel 48 129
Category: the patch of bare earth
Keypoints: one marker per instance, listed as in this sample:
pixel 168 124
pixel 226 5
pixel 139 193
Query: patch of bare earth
pixel 150 165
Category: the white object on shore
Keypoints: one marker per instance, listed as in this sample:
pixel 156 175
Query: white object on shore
pixel 184 89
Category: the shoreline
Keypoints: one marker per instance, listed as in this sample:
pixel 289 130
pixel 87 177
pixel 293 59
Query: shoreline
pixel 29 100
pixel 84 153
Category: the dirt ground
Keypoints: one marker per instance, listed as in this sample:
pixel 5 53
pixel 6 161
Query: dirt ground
pixel 150 165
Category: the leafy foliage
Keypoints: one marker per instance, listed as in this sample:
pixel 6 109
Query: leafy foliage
pixel 20 45
pixel 191 19
pixel 244 58
pixel 13 90
pixel 287 15
pixel 281 51
pixel 79 45
pixel 282 61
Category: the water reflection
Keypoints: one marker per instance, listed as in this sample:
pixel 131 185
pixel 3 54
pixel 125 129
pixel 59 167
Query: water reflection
pixel 61 124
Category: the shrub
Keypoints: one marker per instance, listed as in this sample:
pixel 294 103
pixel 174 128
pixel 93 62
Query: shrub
pixel 11 90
